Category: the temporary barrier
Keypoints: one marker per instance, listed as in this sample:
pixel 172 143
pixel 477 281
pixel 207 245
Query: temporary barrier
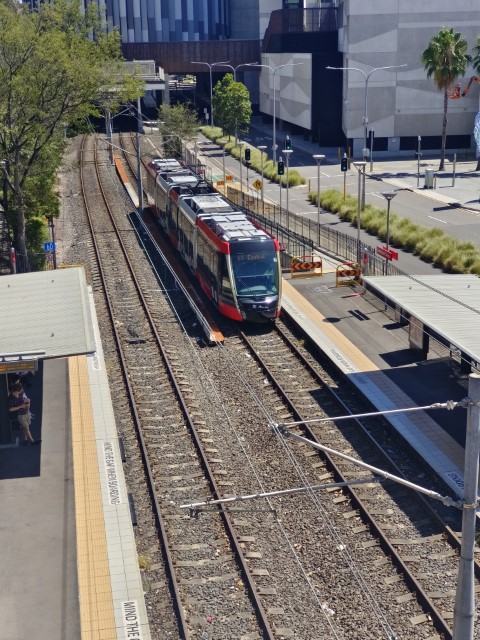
pixel 306 266
pixel 348 273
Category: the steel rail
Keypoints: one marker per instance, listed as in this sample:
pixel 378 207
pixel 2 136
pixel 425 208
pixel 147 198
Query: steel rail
pixel 423 598
pixel 183 628
pixel 247 576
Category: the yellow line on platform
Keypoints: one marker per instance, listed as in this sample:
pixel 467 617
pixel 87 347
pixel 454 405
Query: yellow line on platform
pixel 95 593
pixel 344 345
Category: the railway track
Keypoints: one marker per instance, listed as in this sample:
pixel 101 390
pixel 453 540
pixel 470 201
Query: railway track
pixel 308 567
pixel 423 548
pixel 163 406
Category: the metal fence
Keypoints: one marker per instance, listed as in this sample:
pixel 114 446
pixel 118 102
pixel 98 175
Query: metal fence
pixel 300 236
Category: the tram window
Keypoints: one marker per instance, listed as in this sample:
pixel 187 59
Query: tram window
pixel 256 274
pixel 225 279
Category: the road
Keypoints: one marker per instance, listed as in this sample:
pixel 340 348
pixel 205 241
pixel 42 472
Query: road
pixel 459 223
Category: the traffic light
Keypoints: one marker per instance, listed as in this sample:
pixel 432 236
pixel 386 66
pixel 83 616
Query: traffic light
pixel 288 143
pixel 247 155
pixel 280 167
pixel 344 164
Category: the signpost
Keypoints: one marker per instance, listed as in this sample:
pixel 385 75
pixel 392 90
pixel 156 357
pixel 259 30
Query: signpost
pixel 257 185
pixel 49 246
pixel 388 254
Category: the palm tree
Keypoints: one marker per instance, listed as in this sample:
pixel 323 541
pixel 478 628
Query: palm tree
pixel 445 59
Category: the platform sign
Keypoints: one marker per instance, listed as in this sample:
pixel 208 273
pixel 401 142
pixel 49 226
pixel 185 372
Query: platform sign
pixel 49 246
pixel 257 184
pixel 18 365
pixel 220 183
pixel 389 254
pixel 228 177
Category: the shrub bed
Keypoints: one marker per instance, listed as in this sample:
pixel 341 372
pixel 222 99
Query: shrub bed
pixel 269 170
pixel 431 245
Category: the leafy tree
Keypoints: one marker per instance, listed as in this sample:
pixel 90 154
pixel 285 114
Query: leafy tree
pixel 56 66
pixel 176 123
pixel 445 59
pixel 232 106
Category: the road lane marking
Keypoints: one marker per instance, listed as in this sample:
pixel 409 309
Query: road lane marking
pixel 438 219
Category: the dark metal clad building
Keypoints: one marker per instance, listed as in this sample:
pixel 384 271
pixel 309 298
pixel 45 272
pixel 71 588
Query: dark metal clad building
pixel 169 20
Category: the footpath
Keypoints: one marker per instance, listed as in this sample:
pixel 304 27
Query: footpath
pixel 459 189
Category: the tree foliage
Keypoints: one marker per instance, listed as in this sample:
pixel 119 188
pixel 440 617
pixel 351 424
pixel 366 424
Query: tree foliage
pixel 231 105
pixel 56 66
pixel 176 123
pixel 445 59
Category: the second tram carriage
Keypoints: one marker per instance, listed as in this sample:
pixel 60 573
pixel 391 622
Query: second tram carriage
pixel 236 263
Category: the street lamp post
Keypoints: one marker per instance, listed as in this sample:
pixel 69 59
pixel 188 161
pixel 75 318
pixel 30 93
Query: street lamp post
pixel 262 148
pixel 360 167
pixel 274 71
pixel 319 158
pixel 210 65
pixel 234 69
pixel 365 151
pixel 139 161
pixel 287 152
pixel 388 195
pixel 224 175
pixel 240 144
pixel 419 155
pixel 195 151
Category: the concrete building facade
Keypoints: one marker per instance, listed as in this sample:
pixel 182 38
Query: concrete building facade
pixel 402 103
pixel 327 106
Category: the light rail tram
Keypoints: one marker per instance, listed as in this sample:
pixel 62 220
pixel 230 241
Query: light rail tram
pixel 235 261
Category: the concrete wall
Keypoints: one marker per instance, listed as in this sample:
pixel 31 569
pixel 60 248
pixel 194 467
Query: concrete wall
pixel 293 88
pixel 401 102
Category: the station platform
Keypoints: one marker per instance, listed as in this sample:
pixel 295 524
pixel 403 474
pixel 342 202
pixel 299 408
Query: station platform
pixel 373 350
pixel 69 561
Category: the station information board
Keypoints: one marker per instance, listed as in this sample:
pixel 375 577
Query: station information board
pixel 18 366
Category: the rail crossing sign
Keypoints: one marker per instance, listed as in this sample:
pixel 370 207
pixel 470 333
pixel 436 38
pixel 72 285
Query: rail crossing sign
pixel 257 184
pixel 388 254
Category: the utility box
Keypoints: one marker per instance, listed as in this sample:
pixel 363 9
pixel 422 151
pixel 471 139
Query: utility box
pixel 429 179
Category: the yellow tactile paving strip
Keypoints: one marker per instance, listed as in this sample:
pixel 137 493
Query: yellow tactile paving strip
pixel 95 592
pixel 356 357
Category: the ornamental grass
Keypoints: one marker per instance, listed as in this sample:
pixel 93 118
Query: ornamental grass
pixel 430 244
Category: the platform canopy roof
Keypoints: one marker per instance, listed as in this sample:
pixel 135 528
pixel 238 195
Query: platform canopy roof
pixel 447 303
pixel 46 311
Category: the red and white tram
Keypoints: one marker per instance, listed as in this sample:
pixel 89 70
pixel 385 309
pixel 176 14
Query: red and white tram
pixel 236 263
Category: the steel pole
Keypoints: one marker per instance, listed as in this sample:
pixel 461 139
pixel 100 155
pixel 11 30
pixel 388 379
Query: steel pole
pixel 358 212
pixel 318 201
pixel 262 148
pixel 139 161
pixel 211 95
pixel 241 179
pixel 464 609
pixel 274 145
pixel 365 117
pixel 288 210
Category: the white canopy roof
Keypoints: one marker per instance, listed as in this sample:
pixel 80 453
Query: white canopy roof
pixel 46 311
pixel 449 304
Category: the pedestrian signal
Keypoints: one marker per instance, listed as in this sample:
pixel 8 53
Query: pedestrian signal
pixel 280 167
pixel 344 164
pixel 247 155
pixel 288 143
